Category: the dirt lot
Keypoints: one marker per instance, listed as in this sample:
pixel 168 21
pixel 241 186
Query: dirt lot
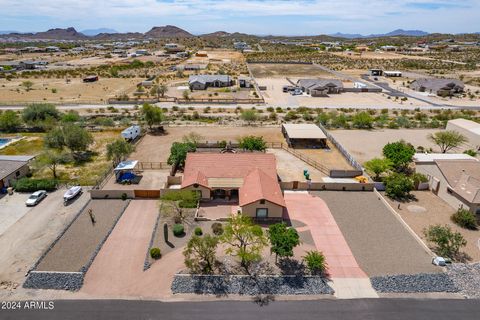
pixel 78 244
pixel 377 55
pixel 273 70
pixel 364 145
pixel 380 243
pixel 157 148
pixel 25 241
pixel 428 209
pixel 58 90
pixel 290 168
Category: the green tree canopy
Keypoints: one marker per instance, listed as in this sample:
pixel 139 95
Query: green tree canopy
pixel 377 166
pixel 363 120
pixel 200 253
pixel 178 153
pixel 40 112
pixel 118 149
pixel 447 242
pixel 71 136
pixel 282 240
pixel 152 115
pixel 447 140
pixel 9 121
pixel 51 159
pixel 398 186
pixel 244 239
pixel 249 115
pixel 253 143
pixel 399 153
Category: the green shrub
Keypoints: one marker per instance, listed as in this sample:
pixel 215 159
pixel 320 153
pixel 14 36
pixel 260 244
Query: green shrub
pixel 465 219
pixel 315 261
pixel 198 231
pixel 470 152
pixel 32 185
pixel 178 230
pixel 398 186
pixel 447 242
pixel 155 253
pixel 217 228
pixel 124 196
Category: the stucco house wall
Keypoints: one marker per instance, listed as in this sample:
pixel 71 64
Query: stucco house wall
pixel 274 210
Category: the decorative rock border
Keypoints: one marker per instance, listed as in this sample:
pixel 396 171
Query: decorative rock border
pixel 416 283
pixel 248 285
pixel 64 280
pixel 467 278
pixel 72 281
pixel 147 264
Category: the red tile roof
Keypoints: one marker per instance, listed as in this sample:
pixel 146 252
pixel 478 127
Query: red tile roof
pixel 257 169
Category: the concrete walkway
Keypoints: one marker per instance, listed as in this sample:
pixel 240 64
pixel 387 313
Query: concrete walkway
pixel 349 280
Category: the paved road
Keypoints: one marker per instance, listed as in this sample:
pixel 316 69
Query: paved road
pixel 383 309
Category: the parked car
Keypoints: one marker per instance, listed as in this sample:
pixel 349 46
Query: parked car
pixel 296 92
pixel 35 198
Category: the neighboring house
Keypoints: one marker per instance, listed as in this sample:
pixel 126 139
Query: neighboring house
pixel 440 87
pixel 249 177
pixel 455 178
pixel 392 73
pixel 202 82
pixel 28 65
pixel 13 168
pixel 320 87
pixel 304 135
pixel 470 129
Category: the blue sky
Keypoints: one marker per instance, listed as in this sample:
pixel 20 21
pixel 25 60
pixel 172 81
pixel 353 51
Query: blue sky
pixel 288 17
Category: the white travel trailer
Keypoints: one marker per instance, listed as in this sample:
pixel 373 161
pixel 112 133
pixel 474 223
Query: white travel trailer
pixel 131 133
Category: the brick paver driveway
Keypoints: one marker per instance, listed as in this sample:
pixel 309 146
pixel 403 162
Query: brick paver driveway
pixel 326 234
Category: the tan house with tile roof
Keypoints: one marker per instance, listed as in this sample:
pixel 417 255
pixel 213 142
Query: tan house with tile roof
pixel 249 177
pixel 457 182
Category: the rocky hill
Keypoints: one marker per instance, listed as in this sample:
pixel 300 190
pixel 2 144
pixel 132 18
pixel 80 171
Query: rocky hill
pixel 168 31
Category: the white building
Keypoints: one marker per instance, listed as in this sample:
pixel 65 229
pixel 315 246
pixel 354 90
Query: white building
pixel 469 129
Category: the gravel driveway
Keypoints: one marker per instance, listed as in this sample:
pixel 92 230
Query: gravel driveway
pixel 379 242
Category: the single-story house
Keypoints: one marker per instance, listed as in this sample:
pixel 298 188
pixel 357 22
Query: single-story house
pixel 320 87
pixel 440 87
pixel 245 82
pixel 13 168
pixel 249 177
pixel 376 72
pixel 392 73
pixel 470 129
pixel 304 135
pixel 202 82
pixel 455 178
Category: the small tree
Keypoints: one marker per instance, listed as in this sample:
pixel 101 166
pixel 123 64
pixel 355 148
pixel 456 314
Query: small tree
pixel 27 85
pixel 118 149
pixel 200 253
pixel 178 153
pixel 152 115
pixel 192 138
pixel 363 120
pixel 378 166
pixel 186 94
pixel 316 262
pixel 399 153
pixel 54 139
pixel 447 243
pixel 39 112
pixel 244 238
pixel 249 115
pixel 77 139
pixel 159 90
pixel 447 140
pixel 398 186
pixel 9 121
pixel 253 143
pixel 282 240
pixel 51 159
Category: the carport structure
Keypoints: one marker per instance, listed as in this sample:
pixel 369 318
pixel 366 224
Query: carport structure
pixel 304 135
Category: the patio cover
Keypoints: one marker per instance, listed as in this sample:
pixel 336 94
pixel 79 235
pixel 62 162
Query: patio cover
pixel 126 165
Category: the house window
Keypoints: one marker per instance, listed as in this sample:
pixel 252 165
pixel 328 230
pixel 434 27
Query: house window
pixel 262 201
pixel 262 213
pixel 17 173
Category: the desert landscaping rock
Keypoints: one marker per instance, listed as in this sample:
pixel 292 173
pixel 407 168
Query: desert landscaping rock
pixel 467 278
pixel 71 281
pixel 246 285
pixel 416 283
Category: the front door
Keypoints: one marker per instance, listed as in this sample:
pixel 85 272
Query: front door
pixel 262 213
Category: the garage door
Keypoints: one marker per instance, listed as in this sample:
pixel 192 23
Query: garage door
pixel 149 194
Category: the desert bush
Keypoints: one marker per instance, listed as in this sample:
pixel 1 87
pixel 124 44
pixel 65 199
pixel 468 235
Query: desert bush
pixel 178 230
pixel 31 185
pixel 217 228
pixel 155 253
pixel 315 261
pixel 465 219
pixel 447 242
pixel 198 231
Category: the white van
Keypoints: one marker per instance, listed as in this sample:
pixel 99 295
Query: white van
pixel 131 133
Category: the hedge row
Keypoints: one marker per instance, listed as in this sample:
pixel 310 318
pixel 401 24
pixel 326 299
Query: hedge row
pixel 31 185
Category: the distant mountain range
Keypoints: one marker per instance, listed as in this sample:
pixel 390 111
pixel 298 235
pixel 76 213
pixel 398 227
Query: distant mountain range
pixel 94 32
pixel 170 32
pixel 398 32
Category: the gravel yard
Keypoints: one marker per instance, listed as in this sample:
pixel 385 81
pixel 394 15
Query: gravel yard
pixel 79 242
pixel 418 283
pixel 290 168
pixel 379 242
pixel 466 278
pixel 364 145
pixel 428 209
